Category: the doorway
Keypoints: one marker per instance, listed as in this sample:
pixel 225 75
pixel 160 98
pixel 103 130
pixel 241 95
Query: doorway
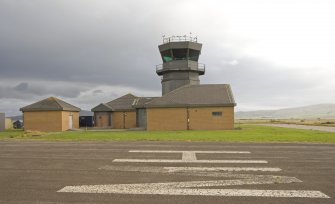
pixel 70 121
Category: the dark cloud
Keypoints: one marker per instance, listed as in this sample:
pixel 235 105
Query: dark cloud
pixel 42 88
pixel 55 41
pixel 80 49
pixel 97 91
pixel 21 87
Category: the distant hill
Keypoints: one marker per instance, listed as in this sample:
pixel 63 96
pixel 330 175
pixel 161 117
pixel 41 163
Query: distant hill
pixel 15 118
pixel 313 111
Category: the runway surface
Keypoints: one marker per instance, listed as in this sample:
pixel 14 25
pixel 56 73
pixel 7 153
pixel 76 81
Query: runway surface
pixel 166 172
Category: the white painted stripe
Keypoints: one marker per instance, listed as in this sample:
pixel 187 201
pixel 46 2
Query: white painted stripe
pixel 205 152
pixel 250 180
pixel 181 169
pixel 196 161
pixel 189 156
pixel 197 192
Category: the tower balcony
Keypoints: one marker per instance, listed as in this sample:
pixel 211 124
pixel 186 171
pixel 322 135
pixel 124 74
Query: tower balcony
pixel 188 66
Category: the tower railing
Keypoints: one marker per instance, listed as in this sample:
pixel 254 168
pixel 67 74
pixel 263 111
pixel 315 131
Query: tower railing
pixel 201 68
pixel 179 38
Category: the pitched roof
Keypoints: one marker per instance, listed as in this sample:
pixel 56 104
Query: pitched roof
pixel 141 101
pixel 101 107
pixel 50 104
pixel 196 95
pixel 124 103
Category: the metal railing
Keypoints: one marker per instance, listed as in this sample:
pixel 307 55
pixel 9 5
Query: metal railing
pixel 201 67
pixel 179 38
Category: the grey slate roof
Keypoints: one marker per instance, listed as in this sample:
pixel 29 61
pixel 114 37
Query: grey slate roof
pixel 50 104
pixel 196 95
pixel 141 101
pixel 124 103
pixel 102 107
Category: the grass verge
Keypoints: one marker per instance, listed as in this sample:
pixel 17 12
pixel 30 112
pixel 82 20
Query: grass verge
pixel 246 133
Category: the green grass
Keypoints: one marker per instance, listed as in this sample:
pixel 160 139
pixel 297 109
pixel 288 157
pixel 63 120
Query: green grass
pixel 247 133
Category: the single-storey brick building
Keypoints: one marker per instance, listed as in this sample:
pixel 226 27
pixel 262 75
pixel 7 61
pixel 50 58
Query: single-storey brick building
pixel 117 114
pixel 51 114
pixel 191 107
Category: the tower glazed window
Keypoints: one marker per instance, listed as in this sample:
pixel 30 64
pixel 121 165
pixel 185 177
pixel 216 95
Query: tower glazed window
pixel 166 56
pixel 194 55
pixel 179 54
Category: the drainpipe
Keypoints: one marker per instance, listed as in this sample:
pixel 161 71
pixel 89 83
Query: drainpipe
pixel 124 120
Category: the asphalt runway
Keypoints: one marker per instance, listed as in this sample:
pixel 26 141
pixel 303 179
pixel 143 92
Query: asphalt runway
pixel 166 172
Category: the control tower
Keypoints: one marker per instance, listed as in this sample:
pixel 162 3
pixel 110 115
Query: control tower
pixel 180 66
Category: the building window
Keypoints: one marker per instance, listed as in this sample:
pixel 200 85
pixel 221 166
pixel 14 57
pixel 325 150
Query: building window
pixel 194 55
pixel 216 113
pixel 166 55
pixel 179 54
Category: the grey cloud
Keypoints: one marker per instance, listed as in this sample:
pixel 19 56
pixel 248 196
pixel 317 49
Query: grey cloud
pixel 260 82
pixel 65 48
pixel 97 91
pixel 21 87
pixel 37 89
pixel 55 41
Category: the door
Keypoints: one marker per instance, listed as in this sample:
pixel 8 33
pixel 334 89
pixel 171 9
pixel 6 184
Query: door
pixel 70 121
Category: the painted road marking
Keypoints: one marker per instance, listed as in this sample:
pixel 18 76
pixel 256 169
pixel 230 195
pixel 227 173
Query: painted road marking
pixel 191 161
pixel 198 187
pixel 206 152
pixel 187 188
pixel 190 157
pixel 180 169
pixel 188 169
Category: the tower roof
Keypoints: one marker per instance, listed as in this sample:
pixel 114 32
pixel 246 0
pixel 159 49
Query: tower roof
pixel 50 104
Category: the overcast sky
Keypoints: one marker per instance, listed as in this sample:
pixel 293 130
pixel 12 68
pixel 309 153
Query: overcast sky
pixel 274 53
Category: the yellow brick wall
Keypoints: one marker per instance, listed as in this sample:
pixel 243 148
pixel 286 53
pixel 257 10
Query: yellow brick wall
pixel 46 121
pixel 130 119
pixel 65 120
pixel 102 119
pixel 49 121
pixel 117 120
pixel 8 123
pixel 124 120
pixel 199 118
pixel 166 119
pixel 202 118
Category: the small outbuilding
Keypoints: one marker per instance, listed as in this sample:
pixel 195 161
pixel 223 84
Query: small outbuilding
pixel 86 119
pixel 50 115
pixel 18 124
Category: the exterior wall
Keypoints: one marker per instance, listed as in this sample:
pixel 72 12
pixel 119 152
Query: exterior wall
pixel 8 123
pixel 202 118
pixel 49 121
pixel 103 119
pixel 190 118
pixel 141 117
pixel 124 120
pixel 43 121
pixel 2 121
pixel 166 119
pixel 65 120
